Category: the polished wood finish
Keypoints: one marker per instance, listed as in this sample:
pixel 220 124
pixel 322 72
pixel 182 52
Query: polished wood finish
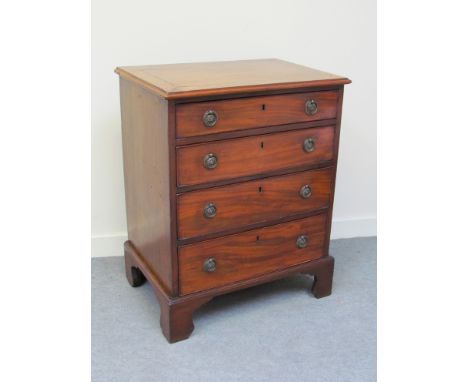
pixel 280 171
pixel 254 131
pixel 323 278
pixel 336 145
pixel 176 312
pixel 247 203
pixel 250 253
pixel 253 155
pixel 261 168
pixel 178 81
pixel 247 113
pixel 147 176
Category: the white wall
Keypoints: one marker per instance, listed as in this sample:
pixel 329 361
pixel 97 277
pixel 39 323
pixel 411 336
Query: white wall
pixel 338 36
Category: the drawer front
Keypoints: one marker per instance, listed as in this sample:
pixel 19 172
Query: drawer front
pixel 203 118
pixel 214 263
pixel 222 208
pixel 234 158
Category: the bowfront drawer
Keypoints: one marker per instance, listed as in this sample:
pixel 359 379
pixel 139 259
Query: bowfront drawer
pixel 218 262
pixel 235 158
pixel 222 208
pixel 202 118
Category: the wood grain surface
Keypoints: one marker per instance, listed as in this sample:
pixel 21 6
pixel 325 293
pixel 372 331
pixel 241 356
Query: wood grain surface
pixel 251 155
pixel 247 203
pixel 250 253
pixel 177 312
pixel 246 113
pixel 147 178
pixel 258 141
pixel 178 81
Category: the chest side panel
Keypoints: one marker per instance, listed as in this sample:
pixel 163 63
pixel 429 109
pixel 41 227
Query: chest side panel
pixel 147 177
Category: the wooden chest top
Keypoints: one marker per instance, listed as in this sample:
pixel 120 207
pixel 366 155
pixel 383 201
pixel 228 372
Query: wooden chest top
pixel 177 81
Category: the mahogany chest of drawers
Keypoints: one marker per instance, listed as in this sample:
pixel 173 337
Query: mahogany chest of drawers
pixel 229 178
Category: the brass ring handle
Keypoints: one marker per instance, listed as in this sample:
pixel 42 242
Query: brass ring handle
pixel 210 161
pixel 209 265
pixel 302 241
pixel 209 211
pixel 311 107
pixel 309 145
pixel 210 118
pixel 305 192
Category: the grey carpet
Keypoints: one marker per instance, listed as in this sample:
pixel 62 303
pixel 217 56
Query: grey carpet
pixel 273 332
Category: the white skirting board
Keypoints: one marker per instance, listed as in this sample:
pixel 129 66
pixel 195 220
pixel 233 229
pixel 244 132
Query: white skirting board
pixel 354 227
pixel 112 244
pixel 108 245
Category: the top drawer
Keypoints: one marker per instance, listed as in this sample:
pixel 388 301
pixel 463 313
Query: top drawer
pixel 211 117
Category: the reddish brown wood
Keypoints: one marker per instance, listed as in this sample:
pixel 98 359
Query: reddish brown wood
pixel 166 183
pixel 336 145
pixel 176 318
pixel 253 131
pixel 176 315
pixel 202 79
pixel 249 254
pixel 234 230
pixel 243 204
pixel 323 278
pixel 172 197
pixel 147 177
pixel 247 113
pixel 281 171
pixel 254 93
pixel 133 272
pixel 252 155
